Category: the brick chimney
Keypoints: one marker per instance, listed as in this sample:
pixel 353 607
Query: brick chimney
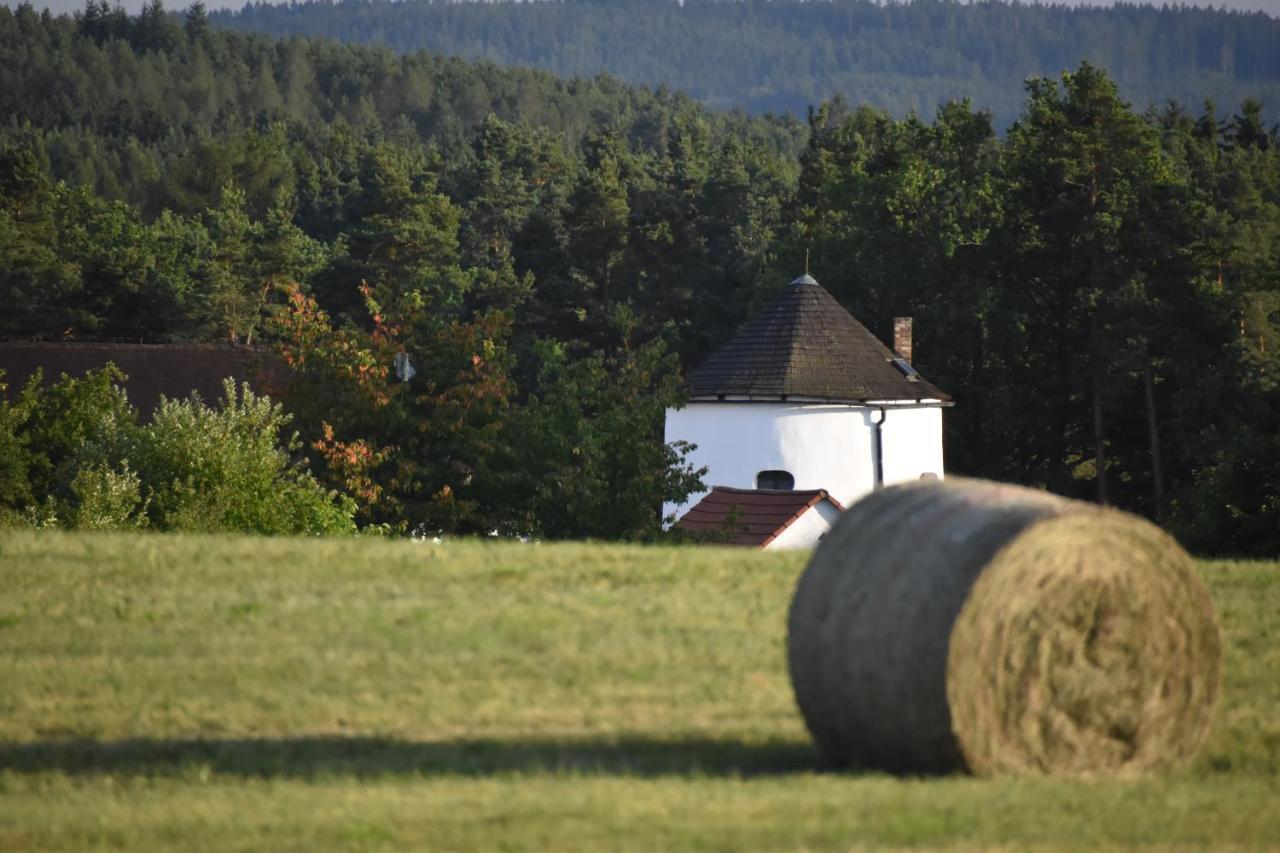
pixel 902 337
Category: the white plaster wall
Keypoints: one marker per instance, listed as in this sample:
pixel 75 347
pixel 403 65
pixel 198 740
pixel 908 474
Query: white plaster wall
pixel 806 530
pixel 912 444
pixel 824 446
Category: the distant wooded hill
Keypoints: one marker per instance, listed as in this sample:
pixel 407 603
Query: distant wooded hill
pixel 784 55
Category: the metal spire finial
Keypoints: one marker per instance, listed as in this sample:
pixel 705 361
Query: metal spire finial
pixel 806 278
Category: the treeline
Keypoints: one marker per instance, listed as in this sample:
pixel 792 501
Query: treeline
pixel 487 324
pixel 1100 291
pixel 162 111
pixel 543 275
pixel 783 55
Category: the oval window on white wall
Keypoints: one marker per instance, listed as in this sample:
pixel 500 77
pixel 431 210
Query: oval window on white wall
pixel 775 480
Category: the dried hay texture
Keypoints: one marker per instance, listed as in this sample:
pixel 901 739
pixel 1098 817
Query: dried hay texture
pixel 945 626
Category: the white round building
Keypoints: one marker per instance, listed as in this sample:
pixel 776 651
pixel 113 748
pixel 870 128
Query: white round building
pixel 804 397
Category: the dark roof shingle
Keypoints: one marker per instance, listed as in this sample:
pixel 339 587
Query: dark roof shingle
pixel 762 514
pixel 153 370
pixel 804 344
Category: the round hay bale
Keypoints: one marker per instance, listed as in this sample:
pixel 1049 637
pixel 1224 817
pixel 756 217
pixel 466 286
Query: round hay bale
pixel 965 624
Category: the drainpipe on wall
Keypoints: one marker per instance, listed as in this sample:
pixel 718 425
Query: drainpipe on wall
pixel 878 444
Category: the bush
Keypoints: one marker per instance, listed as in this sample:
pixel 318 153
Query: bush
pixel 44 431
pixel 107 499
pixel 76 456
pixel 225 469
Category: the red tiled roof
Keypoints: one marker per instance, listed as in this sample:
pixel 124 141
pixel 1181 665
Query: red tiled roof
pixel 153 370
pixel 762 514
pixel 804 344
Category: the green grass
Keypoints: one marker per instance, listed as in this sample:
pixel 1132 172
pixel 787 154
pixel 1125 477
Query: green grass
pixel 236 693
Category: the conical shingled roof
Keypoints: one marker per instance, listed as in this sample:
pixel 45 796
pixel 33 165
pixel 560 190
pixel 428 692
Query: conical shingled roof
pixel 805 345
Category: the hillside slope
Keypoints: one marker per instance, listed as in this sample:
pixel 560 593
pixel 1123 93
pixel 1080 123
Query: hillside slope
pixel 785 56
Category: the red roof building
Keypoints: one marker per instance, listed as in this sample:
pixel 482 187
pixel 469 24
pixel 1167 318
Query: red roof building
pixel 153 370
pixel 762 518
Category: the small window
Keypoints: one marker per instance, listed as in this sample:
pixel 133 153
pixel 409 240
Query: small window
pixel 906 369
pixel 775 480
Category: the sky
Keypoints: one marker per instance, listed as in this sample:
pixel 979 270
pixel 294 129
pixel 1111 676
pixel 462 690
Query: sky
pixel 59 6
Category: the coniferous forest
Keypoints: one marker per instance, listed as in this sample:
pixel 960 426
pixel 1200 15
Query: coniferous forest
pixel 784 55
pixel 1098 287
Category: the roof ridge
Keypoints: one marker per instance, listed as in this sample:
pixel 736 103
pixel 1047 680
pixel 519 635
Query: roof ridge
pixel 797 296
pixel 135 346
pixel 738 490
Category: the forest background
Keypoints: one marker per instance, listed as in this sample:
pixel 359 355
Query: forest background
pixel 784 56
pixel 1098 287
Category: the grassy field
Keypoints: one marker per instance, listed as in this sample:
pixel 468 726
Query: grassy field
pixel 236 693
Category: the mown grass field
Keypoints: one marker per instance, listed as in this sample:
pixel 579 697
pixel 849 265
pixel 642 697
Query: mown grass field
pixel 238 693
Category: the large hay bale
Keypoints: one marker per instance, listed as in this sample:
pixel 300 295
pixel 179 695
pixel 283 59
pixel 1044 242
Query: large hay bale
pixel 975 625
